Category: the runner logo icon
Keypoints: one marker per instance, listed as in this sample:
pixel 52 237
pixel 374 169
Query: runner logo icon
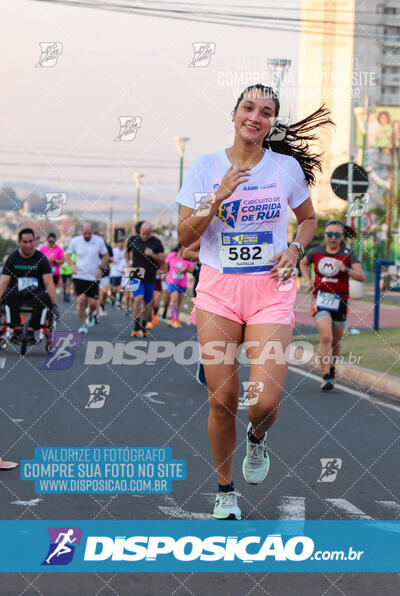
pixel 228 213
pixel 62 545
pixel 63 353
pixel 49 54
pixel 330 468
pixel 98 394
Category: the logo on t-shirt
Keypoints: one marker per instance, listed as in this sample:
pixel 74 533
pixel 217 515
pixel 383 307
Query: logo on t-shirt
pixel 228 213
pixel 327 267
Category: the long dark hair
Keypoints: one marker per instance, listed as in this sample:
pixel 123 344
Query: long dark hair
pixel 293 139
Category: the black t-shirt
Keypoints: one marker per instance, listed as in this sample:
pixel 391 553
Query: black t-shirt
pixel 107 267
pixel 137 246
pixel 32 269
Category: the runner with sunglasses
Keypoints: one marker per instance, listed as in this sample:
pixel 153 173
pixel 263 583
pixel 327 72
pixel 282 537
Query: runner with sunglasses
pixel 334 264
pixel 236 200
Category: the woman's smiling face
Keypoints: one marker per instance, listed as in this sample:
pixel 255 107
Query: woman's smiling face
pixel 253 117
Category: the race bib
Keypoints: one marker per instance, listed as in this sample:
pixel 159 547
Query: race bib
pixel 178 275
pixel 327 301
pixel 27 282
pixel 53 269
pixel 245 253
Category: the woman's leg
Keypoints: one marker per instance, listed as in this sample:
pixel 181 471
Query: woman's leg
pixel 223 389
pixel 324 325
pixel 337 335
pixel 174 305
pixel 268 370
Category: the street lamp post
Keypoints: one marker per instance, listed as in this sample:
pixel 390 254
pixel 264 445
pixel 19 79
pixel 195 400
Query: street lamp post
pixel 181 143
pixel 138 179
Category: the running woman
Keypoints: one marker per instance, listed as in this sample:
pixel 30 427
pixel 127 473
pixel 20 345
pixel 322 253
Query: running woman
pixel 242 222
pixel 334 264
pixel 66 276
pixel 177 282
pixel 55 256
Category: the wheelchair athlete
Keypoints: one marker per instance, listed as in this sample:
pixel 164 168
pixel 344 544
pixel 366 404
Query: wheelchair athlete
pixel 27 279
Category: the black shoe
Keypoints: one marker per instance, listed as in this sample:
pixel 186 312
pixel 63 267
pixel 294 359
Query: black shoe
pixel 327 383
pixel 16 336
pixel 332 374
pixel 30 336
pixel 200 376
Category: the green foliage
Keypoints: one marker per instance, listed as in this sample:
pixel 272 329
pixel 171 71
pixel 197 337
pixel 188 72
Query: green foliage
pixel 6 247
pixel 322 220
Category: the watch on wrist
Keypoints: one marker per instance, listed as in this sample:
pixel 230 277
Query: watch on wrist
pixel 300 248
pixel 346 269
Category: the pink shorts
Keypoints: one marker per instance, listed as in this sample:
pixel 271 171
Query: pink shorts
pixel 246 299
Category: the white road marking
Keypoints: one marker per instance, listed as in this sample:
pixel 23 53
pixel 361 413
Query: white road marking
pixel 2 362
pixel 150 397
pixel 393 507
pixel 289 508
pixel 351 510
pixel 31 503
pixel 17 419
pixel 175 511
pixel 364 396
pixel 292 508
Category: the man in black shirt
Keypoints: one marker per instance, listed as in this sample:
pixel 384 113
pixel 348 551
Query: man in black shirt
pixel 145 253
pixel 27 277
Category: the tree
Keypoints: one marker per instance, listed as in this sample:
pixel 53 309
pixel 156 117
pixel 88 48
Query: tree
pixel 6 247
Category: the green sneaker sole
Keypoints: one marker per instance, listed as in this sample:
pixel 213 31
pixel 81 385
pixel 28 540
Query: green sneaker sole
pixel 231 516
pixel 244 471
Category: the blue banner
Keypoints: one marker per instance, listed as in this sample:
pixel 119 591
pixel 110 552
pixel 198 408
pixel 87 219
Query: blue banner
pixel 199 546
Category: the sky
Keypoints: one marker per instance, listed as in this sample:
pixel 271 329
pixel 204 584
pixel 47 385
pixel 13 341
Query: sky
pixel 58 124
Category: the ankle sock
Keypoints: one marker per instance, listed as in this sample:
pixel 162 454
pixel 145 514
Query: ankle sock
pixel 254 439
pixel 226 488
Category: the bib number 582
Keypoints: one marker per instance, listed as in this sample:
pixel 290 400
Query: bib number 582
pixel 244 253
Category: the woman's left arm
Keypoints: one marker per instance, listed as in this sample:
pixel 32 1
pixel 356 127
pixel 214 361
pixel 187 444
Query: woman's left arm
pixel 306 228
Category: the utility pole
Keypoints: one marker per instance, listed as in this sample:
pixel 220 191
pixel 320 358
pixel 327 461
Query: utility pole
pixel 138 179
pixel 389 203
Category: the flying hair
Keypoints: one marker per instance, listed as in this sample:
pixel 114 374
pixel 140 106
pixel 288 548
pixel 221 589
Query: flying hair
pixel 294 139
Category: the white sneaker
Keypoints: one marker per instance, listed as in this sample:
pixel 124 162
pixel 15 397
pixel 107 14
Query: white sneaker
pixel 256 463
pixel 91 321
pixel 226 506
pixel 83 329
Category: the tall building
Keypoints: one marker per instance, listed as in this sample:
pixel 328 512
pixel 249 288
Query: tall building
pixel 325 77
pixel 377 59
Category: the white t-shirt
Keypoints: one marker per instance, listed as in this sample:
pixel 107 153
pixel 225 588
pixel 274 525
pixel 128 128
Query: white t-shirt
pixel 259 205
pixel 119 262
pixel 87 255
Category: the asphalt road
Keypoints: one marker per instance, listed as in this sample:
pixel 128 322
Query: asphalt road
pixel 162 405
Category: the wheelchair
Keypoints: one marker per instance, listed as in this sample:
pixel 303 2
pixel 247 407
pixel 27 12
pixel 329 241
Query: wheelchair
pixel 44 334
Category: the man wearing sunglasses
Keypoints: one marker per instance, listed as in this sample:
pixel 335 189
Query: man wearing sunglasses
pixel 334 264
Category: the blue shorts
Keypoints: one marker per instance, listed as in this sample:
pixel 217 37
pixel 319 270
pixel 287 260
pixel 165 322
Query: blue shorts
pixel 142 289
pixel 175 288
pixel 115 281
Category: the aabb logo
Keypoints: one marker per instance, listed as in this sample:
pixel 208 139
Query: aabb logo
pixel 62 545
pixel 327 267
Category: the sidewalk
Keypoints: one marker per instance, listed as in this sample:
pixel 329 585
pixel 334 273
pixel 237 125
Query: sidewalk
pixel 361 314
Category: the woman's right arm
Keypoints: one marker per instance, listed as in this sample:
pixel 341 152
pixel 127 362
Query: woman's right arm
pixel 193 223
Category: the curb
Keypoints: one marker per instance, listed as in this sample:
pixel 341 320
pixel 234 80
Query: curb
pixel 371 379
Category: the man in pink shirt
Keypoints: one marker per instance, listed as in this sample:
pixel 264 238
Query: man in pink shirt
pixel 55 256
